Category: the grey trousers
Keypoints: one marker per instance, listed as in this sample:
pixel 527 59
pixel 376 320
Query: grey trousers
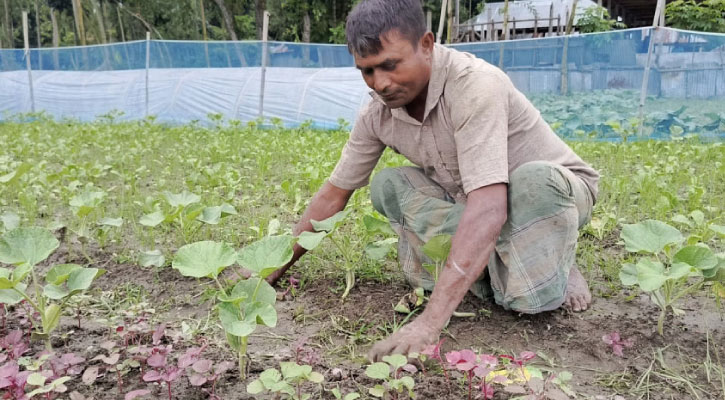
pixel 529 269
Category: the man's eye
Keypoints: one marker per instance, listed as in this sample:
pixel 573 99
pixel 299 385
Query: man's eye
pixel 388 66
pixel 367 71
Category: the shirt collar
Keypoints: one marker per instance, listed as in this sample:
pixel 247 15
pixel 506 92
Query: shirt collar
pixel 436 84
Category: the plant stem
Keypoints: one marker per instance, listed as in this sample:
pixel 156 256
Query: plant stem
pixel 661 321
pixel 168 385
pixel 243 359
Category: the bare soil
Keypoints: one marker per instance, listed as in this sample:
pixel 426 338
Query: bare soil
pixel 342 332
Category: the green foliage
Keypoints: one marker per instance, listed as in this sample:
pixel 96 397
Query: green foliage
pixel 25 248
pixel 669 275
pixel 707 16
pixel 389 372
pixel 437 249
pixel 286 383
pixel 597 19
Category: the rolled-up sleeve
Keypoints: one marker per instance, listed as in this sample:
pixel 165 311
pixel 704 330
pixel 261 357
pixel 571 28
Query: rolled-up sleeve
pixel 359 156
pixel 480 120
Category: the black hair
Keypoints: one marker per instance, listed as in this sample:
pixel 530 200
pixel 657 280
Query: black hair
pixel 371 19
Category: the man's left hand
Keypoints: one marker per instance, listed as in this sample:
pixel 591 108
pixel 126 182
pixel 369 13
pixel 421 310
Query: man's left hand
pixel 411 338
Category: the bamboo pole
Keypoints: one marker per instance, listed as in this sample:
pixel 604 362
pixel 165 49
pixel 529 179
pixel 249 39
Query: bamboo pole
pixel 442 21
pixel 203 32
pixel 26 42
pixel 263 70
pixel 148 65
pixel 565 51
pixel 645 79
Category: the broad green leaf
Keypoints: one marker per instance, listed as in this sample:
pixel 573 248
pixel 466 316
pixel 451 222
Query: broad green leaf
pixel 55 292
pixel 396 361
pixel 6 283
pixel 228 209
pixel 650 274
pixel 377 391
pixel 379 249
pixel 681 219
pixel 27 246
pixel 11 297
pixel 255 387
pixel 310 240
pixel 81 279
pixel 438 247
pixel 181 199
pixel 60 273
pixel 86 202
pixel 696 256
pixel 374 225
pixel 408 382
pixel 315 377
pixel 152 219
pixel 53 386
pixel 378 370
pixel 679 270
pixel 650 236
pixel 269 377
pixel 10 220
pixel 52 318
pixel 292 370
pixel 115 222
pixel 698 216
pixel 245 288
pixel 232 323
pixel 235 298
pixel 267 255
pixel 719 229
pixel 329 224
pixel 203 259
pixel 260 314
pixel 192 212
pixel 15 175
pixel 352 396
pixel 151 257
pixel 36 379
pixel 210 215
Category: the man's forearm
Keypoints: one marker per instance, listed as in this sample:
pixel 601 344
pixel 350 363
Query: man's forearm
pixel 326 202
pixel 472 245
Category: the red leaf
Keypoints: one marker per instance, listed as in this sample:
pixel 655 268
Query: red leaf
pixel 152 376
pixel 157 360
pixel 90 375
pixel 158 334
pixel 202 366
pixel 136 394
pixel 197 380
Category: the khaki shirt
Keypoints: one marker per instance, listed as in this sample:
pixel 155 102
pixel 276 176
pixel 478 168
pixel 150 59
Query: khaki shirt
pixel 477 128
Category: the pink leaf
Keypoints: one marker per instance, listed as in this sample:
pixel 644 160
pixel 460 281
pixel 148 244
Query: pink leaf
pixel 481 371
pixel 487 391
pixel 90 375
pixel 157 360
pixel 171 374
pixel 202 366
pixel 158 334
pixel 489 360
pixel 197 380
pixel 223 367
pixel 526 356
pixel 617 349
pixel 152 376
pixel 136 394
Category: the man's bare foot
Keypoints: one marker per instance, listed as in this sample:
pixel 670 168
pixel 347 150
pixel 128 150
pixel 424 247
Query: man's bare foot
pixel 578 297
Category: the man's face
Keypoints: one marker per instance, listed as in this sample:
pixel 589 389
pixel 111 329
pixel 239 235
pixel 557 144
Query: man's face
pixel 399 73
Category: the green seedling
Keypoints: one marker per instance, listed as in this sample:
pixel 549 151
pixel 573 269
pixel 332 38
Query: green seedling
pixel 389 371
pixel 350 396
pixel 668 273
pixel 250 302
pixel 288 382
pixel 437 249
pixel 185 212
pixel 377 250
pixel 325 228
pixel 25 248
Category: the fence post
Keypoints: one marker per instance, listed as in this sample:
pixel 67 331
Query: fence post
pixel 27 60
pixel 148 63
pixel 645 77
pixel 263 70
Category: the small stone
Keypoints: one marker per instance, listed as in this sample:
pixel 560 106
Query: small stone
pixel 337 374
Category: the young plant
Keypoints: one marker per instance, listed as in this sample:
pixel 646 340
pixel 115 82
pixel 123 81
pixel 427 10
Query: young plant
pixel 389 371
pixel 25 248
pixel 288 382
pixel 665 274
pixel 251 301
pixel 437 249
pixel 325 228
pixel 205 371
pixel 378 249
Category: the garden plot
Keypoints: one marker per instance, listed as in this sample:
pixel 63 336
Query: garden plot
pixel 126 241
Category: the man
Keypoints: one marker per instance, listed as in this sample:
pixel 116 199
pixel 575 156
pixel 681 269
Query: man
pixel 490 172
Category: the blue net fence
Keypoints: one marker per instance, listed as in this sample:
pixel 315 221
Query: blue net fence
pixel 586 86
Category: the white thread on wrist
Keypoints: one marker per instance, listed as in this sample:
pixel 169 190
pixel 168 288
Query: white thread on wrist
pixel 457 268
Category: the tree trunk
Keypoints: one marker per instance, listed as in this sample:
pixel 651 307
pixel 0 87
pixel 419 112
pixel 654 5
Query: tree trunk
pixel 306 33
pixel 54 23
pixel 228 22
pixel 37 24
pixel 120 22
pixel 8 26
pixel 99 21
pixel 259 7
pixel 78 16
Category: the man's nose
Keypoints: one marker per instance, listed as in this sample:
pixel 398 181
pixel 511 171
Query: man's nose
pixel 382 82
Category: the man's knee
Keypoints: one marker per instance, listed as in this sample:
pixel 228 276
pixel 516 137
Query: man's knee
pixel 536 189
pixel 384 189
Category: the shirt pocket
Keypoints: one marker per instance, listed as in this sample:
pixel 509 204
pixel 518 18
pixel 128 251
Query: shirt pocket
pixel 449 161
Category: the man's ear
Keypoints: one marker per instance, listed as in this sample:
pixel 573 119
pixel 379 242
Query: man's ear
pixel 427 42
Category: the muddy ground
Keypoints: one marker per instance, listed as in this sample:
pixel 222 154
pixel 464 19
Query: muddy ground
pixel 674 366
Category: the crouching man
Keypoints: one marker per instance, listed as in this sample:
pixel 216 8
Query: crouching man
pixel 489 171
